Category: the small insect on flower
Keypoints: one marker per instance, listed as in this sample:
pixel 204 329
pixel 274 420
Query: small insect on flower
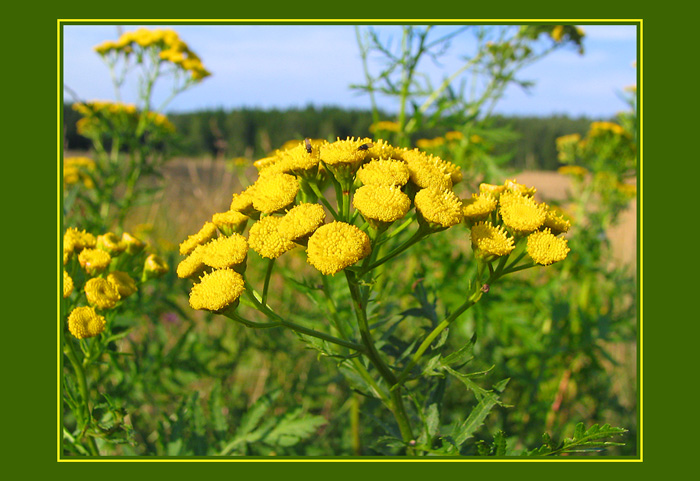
pixel 307 143
pixel 366 146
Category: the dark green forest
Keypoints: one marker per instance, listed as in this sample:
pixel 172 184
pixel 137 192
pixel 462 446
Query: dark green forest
pixel 253 133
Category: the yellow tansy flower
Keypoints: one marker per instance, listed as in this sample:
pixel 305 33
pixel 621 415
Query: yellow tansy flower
pixel 155 266
pixel 383 172
pixel 441 207
pixel 79 239
pixel 192 264
pixel 274 192
pixel 337 245
pixel 545 248
pixel 491 241
pixel 217 290
pixel 514 186
pixel 230 221
pixel 573 170
pixel 478 207
pixel 301 221
pixel 495 190
pixel 556 222
pixel 204 235
pixel 266 239
pixel 243 202
pixel 225 251
pixel 111 243
pixel 386 125
pixel 427 171
pixel 101 293
pixel 84 322
pixel 67 285
pixel 123 282
pixel 350 152
pixel 94 261
pixel 381 149
pixel 303 157
pixel 133 245
pixel 383 203
pixel 521 213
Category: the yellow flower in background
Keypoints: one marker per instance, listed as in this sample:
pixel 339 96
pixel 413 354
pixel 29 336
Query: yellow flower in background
pixel 384 172
pixel 123 282
pixel 225 251
pixel 521 213
pixel 155 266
pixel 77 169
pixel 383 203
pixel 335 246
pixel 84 322
pixel 133 244
pixel 430 143
pixel 266 239
pixel 94 261
pixel 67 285
pixel 301 221
pixel 441 207
pixel 204 235
pixel 78 239
pixel 217 290
pixel 557 33
pixel 545 248
pixel 453 135
pixel 573 170
pixel 384 125
pixel 478 207
pixel 627 190
pixel 230 221
pixel 111 243
pixel 101 293
pixel 600 128
pixel 489 240
pixel 274 192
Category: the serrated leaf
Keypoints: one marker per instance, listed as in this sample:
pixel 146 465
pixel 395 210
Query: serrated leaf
pixel 293 428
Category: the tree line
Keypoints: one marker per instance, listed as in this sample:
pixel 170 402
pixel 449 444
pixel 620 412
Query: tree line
pixel 253 133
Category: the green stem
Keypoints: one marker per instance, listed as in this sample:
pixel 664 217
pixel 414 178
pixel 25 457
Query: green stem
pixel 86 415
pixel 279 321
pixel 419 235
pixel 268 274
pixel 396 406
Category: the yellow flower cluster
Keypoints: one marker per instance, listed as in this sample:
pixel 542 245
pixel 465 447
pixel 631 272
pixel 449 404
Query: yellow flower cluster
pixel 77 170
pixel 103 285
pixel 100 115
pixel 168 44
pixel 501 215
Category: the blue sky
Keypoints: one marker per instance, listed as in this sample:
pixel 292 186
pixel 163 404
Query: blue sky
pixel 281 66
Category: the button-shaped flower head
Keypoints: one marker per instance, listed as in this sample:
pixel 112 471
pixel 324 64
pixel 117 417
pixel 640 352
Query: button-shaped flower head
pixel 225 251
pixel 478 207
pixel 545 248
pixel 301 221
pixel 439 207
pixel 274 192
pixel 67 285
pixel 84 322
pixel 381 203
pixel 384 172
pixel 123 282
pixel 266 239
pixel 489 241
pixel 337 245
pixel 101 293
pixel 521 213
pixel 217 290
pixel 94 261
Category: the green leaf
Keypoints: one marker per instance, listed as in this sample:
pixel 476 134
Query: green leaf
pixel 584 441
pixel 293 428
